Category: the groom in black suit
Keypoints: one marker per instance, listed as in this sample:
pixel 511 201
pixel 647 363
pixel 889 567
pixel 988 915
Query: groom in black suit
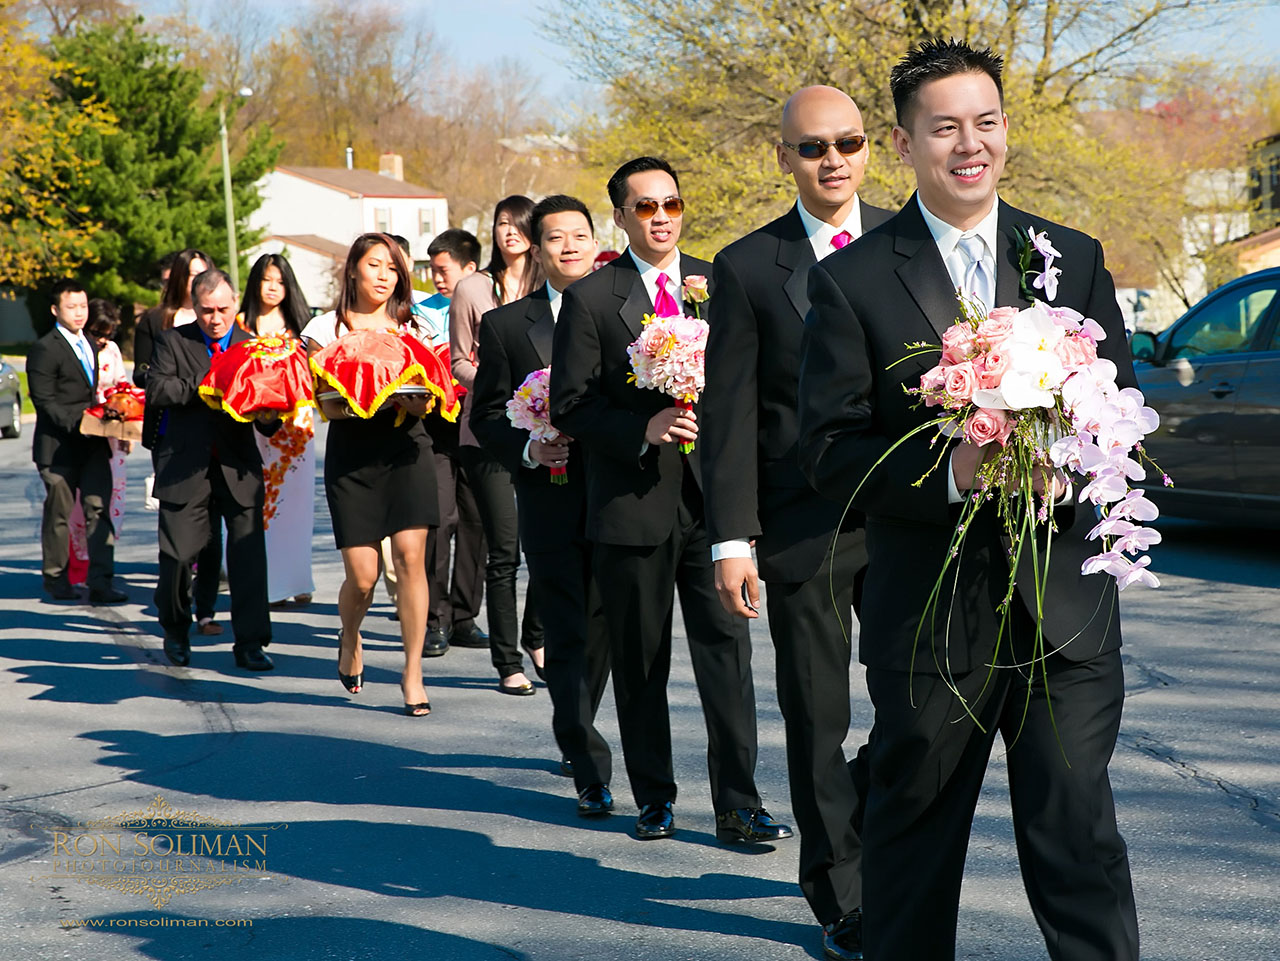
pixel 644 514
pixel 927 757
pixel 204 458
pixel 755 490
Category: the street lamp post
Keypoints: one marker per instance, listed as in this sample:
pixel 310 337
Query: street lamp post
pixel 233 255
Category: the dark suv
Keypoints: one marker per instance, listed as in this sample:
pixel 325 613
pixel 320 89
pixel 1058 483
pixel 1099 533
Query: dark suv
pixel 1214 378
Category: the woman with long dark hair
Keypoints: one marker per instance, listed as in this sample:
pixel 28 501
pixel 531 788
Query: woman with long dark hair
pixel 273 304
pixel 512 273
pixel 174 310
pixel 379 478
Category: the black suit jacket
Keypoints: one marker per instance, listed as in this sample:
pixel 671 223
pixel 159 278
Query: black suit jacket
pixel 60 393
pixel 195 430
pixel 751 470
pixel 868 300
pixel 632 499
pixel 515 340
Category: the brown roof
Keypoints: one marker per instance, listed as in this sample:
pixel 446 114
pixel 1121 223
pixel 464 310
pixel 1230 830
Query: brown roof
pixel 1261 239
pixel 360 183
pixel 313 242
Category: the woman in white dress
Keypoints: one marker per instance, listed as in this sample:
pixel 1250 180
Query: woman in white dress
pixel 273 304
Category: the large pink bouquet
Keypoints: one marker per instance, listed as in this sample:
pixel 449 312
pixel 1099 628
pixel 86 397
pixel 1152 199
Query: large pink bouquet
pixel 529 409
pixel 670 356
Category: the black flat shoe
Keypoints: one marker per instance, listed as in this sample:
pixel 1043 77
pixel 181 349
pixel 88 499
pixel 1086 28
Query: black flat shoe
pixel 842 940
pixel 352 682
pixel 62 592
pixel 107 595
pixel 177 650
pixel 594 800
pixel 749 826
pixel 470 637
pixel 523 690
pixel 655 821
pixel 253 659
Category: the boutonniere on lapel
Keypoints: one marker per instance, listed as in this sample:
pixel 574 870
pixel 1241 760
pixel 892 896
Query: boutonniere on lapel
pixel 1036 249
pixel 669 356
pixel 695 292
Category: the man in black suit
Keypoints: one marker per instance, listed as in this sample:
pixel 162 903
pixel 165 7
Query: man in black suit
pixel 898 285
pixel 515 340
pixel 644 513
pixel 205 458
pixel 62 377
pixel 755 491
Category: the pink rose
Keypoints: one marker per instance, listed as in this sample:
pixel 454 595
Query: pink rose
pixel 986 425
pixel 960 383
pixel 994 364
pixel 932 383
pixel 997 327
pixel 1075 351
pixel 958 344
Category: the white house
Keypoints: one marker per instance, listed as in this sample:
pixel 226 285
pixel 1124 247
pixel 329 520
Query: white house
pixel 314 213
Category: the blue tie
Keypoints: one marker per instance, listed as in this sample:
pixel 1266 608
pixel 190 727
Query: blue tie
pixel 86 359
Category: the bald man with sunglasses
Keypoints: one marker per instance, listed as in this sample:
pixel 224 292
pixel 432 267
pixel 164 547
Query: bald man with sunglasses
pixel 756 492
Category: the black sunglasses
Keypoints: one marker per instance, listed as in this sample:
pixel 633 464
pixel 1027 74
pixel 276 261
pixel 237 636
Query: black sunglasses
pixel 816 149
pixel 672 206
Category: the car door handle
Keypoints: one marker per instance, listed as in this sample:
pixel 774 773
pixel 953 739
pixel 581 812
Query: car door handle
pixel 1222 390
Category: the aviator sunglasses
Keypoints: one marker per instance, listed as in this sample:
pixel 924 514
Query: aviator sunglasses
pixel 817 149
pixel 672 206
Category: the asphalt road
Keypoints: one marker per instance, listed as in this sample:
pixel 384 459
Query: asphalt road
pixel 452 837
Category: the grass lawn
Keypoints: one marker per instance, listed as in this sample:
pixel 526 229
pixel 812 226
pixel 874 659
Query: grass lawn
pixel 26 394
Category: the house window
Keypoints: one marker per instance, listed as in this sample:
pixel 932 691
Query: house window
pixel 426 222
pixel 382 219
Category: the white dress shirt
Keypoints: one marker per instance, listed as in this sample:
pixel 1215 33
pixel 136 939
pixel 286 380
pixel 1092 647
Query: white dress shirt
pixel 820 234
pixel 649 276
pixel 556 298
pixel 80 345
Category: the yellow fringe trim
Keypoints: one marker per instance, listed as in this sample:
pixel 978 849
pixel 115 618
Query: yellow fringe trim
pixel 413 370
pixel 214 398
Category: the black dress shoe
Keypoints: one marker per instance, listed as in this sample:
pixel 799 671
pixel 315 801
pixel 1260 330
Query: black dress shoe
pixel 842 940
pixel 252 659
pixel 469 636
pixel 107 595
pixel 594 800
pixel 750 826
pixel 61 591
pixel 566 767
pixel 436 644
pixel 655 821
pixel 177 650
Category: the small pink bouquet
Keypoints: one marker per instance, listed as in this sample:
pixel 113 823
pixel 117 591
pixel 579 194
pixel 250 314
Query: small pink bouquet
pixel 529 409
pixel 670 356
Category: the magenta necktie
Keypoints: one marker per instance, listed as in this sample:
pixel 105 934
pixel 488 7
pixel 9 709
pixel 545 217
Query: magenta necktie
pixel 842 239
pixel 664 305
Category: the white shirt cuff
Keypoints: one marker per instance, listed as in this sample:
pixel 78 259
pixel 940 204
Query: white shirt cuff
pixel 730 549
pixel 953 492
pixel 525 458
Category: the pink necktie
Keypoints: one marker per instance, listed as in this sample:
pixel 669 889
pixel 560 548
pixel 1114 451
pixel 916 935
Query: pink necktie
pixel 841 239
pixel 664 305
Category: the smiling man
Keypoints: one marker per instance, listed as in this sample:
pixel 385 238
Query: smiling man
pixel 755 490
pixel 898 285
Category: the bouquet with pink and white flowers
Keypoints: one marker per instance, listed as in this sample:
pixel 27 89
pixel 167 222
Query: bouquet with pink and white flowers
pixel 670 356
pixel 530 409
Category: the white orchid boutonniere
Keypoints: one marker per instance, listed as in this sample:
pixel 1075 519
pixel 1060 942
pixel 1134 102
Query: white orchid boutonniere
pixel 1032 245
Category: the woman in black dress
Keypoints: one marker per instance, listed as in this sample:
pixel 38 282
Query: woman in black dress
pixel 379 478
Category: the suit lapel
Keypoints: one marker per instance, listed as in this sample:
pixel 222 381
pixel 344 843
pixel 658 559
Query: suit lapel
pixel 795 255
pixel 635 299
pixel 923 272
pixel 75 358
pixel 542 325
pixel 1008 277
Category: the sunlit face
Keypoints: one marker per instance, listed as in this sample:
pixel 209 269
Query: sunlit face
pixel 828 183
pixel 652 239
pixel 956 144
pixel 216 311
pixel 72 310
pixel 567 248
pixel 510 240
pixel 375 277
pixel 446 272
pixel 271 290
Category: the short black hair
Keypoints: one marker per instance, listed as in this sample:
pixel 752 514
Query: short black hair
pixel 617 185
pixel 556 204
pixel 65 286
pixel 209 281
pixel 404 245
pixel 459 244
pixel 933 60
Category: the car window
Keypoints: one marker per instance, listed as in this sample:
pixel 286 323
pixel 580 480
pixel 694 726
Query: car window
pixel 1225 325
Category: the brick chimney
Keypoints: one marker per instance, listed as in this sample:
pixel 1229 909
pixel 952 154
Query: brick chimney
pixel 391 165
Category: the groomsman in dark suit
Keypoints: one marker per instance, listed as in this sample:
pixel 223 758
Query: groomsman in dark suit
pixel 755 491
pixel 515 340
pixel 62 377
pixel 204 458
pixel 644 513
pixel 898 285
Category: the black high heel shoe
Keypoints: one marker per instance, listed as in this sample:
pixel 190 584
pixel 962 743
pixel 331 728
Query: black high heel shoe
pixel 420 709
pixel 352 682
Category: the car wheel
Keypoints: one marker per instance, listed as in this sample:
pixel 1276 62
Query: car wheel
pixel 14 429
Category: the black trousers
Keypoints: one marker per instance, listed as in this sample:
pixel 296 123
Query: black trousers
pixel 185 530
pixel 208 566
pixel 92 478
pixel 495 495
pixel 638 586
pixel 812 654
pixel 577 648
pixel 455 604
pixel 927 764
